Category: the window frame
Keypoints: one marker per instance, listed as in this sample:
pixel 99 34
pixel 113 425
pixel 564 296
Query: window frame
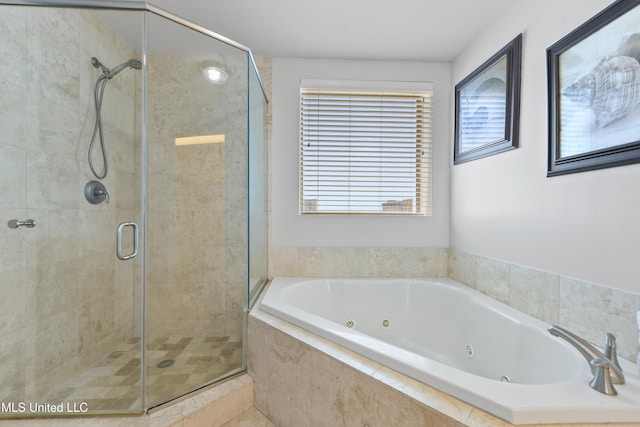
pixel 423 163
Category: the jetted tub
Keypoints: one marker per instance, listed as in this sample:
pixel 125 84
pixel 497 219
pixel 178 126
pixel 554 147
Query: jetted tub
pixel 458 341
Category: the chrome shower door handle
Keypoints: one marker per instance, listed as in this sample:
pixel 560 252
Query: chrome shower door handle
pixel 121 227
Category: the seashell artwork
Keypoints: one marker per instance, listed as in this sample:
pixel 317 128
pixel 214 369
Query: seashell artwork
pixel 611 89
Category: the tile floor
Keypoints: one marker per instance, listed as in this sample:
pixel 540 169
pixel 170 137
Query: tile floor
pixel 113 384
pixel 250 418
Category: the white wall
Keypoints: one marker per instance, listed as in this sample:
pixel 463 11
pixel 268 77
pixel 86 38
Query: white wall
pixel 288 228
pixel 584 225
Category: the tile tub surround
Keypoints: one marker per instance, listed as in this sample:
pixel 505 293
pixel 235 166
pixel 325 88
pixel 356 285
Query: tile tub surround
pixel 587 309
pixel 357 262
pixel 304 380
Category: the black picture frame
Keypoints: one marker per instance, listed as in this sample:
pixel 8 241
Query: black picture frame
pixel 487 106
pixel 593 77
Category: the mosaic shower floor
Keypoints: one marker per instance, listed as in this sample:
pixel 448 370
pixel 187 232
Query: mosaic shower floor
pixel 113 384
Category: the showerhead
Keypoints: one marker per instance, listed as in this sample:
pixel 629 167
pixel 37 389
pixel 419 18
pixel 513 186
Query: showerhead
pixel 136 64
pixel 98 64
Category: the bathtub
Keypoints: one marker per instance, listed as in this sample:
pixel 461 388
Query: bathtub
pixel 458 341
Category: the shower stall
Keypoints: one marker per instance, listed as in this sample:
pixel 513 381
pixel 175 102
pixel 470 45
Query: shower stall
pixel 133 215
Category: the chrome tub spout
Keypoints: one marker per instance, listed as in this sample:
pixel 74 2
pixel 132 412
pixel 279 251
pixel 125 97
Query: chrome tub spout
pixel 591 353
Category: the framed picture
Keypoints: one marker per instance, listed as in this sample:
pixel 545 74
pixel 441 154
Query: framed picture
pixel 594 93
pixel 487 106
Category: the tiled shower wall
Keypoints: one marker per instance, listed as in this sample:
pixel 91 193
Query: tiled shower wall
pixel 588 309
pixel 66 299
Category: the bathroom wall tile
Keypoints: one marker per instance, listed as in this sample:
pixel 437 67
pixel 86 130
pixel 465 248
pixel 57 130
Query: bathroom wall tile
pixel 97 231
pixel 480 418
pixel 432 262
pixel 280 387
pixel 13 240
pixel 283 262
pixel 591 311
pixel 298 385
pixel 206 160
pixel 56 348
pixel 372 403
pixel 236 230
pixel 13 169
pixel 123 193
pixel 492 278
pixel 235 298
pixel 51 181
pixel 53 67
pixel 315 262
pixel 161 151
pixel 54 129
pixel 587 309
pixel 13 304
pixel 408 262
pixel 54 238
pixel 12 366
pixel 463 268
pixel 534 292
pixel 357 262
pixel 352 262
pixel 13 117
pixel 13 21
pixel 441 402
pixel 56 288
pixel 386 262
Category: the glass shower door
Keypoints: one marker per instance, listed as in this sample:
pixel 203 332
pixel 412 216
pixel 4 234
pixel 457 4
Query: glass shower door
pixel 69 328
pixel 197 240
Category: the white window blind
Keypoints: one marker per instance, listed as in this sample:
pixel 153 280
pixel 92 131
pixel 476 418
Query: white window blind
pixel 365 151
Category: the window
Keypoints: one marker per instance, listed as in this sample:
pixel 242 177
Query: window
pixel 365 150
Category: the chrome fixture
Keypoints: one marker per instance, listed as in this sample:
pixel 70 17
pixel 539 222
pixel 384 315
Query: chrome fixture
pixel 14 223
pixel 98 95
pixel 604 366
pixel 602 378
pixel 134 252
pixel 95 192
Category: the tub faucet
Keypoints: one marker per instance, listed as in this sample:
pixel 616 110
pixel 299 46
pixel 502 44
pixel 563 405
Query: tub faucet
pixel 604 366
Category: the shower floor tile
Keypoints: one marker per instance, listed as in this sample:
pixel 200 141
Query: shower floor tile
pixel 113 383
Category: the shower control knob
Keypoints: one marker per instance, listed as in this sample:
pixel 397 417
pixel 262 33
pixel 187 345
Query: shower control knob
pixel 95 192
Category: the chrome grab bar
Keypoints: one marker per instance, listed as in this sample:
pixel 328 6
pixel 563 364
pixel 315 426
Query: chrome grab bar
pixel 121 227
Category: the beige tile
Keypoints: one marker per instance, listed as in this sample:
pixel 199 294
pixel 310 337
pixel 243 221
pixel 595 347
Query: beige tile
pixel 492 278
pixel 250 418
pixel 283 262
pixel 315 262
pixel 591 311
pixel 534 292
pixel 13 167
pixel 463 267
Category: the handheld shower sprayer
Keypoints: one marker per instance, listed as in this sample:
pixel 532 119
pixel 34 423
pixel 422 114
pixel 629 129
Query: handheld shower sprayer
pixel 98 95
pixel 98 64
pixel 133 63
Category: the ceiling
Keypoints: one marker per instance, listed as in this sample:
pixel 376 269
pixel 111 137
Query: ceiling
pixel 423 30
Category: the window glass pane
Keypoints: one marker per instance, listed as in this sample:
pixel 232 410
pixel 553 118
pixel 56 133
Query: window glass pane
pixel 365 151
